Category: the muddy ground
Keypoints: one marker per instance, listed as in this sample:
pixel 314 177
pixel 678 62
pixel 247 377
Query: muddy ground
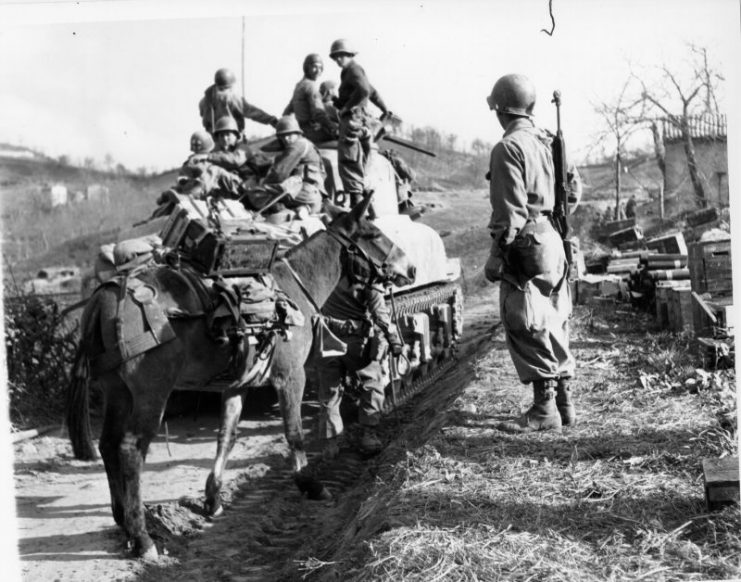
pixel 64 525
pixel 66 531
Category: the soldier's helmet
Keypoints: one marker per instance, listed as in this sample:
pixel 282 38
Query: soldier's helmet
pixel 201 142
pixel 226 123
pixel 287 124
pixel 513 94
pixel 341 46
pixel 310 60
pixel 224 78
pixel 327 87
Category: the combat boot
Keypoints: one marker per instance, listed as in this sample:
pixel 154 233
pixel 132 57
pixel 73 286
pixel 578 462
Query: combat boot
pixel 542 415
pixel 370 444
pixel 564 403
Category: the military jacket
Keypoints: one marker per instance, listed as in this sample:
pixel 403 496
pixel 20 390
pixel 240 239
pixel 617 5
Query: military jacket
pixel 301 158
pixel 306 104
pixel 360 302
pixel 522 182
pixel 355 90
pixel 217 103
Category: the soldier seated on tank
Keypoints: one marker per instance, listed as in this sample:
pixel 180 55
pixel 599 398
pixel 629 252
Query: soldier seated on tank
pixel 296 178
pixel 328 92
pixel 221 100
pixel 306 104
pixel 219 169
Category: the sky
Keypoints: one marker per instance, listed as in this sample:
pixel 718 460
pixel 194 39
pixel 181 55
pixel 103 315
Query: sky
pixel 123 78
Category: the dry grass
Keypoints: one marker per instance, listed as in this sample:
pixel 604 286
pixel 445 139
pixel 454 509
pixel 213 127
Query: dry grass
pixel 618 497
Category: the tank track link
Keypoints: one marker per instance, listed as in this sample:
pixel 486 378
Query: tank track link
pixel 425 299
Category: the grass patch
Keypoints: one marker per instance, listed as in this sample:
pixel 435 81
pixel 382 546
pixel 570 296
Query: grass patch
pixel 617 497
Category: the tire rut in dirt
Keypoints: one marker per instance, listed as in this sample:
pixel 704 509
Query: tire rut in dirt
pixel 264 521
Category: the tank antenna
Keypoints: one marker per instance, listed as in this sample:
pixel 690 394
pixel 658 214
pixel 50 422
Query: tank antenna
pixel 243 35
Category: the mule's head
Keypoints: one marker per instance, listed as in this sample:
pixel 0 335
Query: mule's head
pixel 368 246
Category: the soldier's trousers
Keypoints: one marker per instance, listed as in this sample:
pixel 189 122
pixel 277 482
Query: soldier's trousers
pixel 535 305
pixel 330 375
pixel 353 147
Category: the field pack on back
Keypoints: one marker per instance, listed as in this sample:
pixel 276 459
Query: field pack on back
pixel 211 259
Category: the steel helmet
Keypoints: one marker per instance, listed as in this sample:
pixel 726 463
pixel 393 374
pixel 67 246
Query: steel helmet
pixel 287 124
pixel 225 78
pixel 310 60
pixel 340 46
pixel 327 87
pixel 201 142
pixel 513 94
pixel 226 124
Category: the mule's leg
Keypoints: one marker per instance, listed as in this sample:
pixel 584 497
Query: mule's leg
pixel 231 409
pixel 290 388
pixel 148 407
pixel 117 410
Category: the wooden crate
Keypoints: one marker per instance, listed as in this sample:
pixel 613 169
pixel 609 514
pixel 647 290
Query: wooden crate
pixel 716 354
pixel 710 267
pixel 663 290
pixel 616 225
pixel 625 236
pixel 721 309
pixel 680 309
pixel 720 477
pixel 668 243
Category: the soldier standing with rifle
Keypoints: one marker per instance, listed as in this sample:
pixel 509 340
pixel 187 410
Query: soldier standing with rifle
pixel 528 226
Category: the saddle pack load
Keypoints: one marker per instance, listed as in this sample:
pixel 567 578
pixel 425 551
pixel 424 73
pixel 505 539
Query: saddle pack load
pixel 211 259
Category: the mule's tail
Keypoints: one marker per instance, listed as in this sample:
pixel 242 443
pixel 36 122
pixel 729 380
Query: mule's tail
pixel 78 408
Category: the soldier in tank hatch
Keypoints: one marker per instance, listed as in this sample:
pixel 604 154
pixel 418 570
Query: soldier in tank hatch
pixel 307 105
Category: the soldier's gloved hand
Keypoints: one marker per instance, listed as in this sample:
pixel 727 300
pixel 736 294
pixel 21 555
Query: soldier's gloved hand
pixel 395 346
pixel 493 268
pixel 198 158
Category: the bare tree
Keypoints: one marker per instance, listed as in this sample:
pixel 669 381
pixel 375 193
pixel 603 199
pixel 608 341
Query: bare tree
pixel 622 117
pixel 695 93
pixel 109 162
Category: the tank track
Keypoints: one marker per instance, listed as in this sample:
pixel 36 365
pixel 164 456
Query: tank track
pixel 423 301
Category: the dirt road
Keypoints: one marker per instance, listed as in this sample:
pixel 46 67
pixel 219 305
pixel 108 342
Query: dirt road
pixel 65 527
pixel 66 531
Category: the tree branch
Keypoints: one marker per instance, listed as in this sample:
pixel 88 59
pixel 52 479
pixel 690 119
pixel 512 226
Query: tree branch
pixel 553 20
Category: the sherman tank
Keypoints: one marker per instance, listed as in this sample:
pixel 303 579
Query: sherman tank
pixel 429 313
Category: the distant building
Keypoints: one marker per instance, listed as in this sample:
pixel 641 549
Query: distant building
pixel 58 195
pixel 709 136
pixel 96 193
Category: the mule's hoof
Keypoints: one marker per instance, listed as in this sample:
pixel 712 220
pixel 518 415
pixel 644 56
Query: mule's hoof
pixel 325 495
pixel 218 511
pixel 150 555
pixel 331 450
pixel 312 487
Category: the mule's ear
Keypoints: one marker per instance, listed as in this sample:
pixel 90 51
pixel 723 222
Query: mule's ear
pixel 359 211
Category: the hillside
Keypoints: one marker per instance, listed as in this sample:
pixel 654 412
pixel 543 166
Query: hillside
pixel 37 234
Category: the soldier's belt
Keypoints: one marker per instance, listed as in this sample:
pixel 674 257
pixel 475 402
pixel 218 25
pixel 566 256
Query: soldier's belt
pixel 346 326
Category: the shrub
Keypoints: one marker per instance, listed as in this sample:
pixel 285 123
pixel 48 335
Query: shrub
pixel 40 343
